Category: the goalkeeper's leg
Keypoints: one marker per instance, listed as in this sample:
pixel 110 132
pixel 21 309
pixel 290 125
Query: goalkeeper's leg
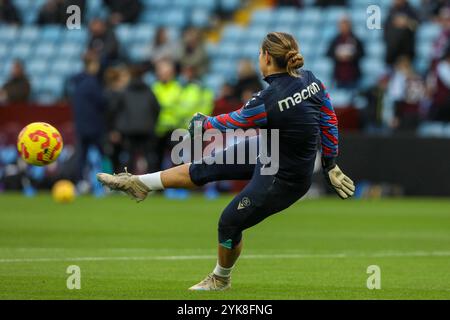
pixel 183 176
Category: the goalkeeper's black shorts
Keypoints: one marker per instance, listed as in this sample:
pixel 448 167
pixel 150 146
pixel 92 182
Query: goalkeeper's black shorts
pixel 263 196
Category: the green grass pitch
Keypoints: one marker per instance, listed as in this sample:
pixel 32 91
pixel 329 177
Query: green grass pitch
pixel 316 249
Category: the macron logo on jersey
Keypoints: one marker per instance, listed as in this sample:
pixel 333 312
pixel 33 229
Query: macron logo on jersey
pixel 298 97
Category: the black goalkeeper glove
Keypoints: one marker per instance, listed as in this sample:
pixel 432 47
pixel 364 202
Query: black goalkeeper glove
pixel 342 184
pixel 198 120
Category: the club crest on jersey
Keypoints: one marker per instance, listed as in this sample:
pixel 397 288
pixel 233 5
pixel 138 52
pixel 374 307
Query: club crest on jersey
pixel 245 202
pixel 298 97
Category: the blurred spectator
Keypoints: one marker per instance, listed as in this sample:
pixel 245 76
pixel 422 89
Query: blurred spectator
pixel 8 12
pixel 17 89
pixel 289 3
pixel 123 11
pixel 88 103
pixel 248 81
pixel 438 84
pixel 372 111
pixel 406 92
pixel 162 47
pixel 325 3
pixel 55 11
pixel 442 41
pixel 346 50
pixel 167 90
pixel 103 43
pixel 226 101
pixel 52 12
pixel 134 123
pixel 430 9
pixel 116 79
pixel 193 97
pixel 400 31
pixel 193 51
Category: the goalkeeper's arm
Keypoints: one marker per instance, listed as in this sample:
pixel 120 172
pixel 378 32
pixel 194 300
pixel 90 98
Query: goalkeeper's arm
pixel 342 184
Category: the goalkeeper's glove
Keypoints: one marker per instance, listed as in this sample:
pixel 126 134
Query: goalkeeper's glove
pixel 198 120
pixel 342 184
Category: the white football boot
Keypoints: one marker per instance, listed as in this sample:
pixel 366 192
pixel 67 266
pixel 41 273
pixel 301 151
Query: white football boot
pixel 126 182
pixel 212 283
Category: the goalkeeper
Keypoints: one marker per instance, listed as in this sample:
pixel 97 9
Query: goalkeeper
pixel 297 104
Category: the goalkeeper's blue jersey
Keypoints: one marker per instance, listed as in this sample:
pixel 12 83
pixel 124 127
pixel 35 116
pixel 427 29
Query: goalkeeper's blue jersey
pixel 301 109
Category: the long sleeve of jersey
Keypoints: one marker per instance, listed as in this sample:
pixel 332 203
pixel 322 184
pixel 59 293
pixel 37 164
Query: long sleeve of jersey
pixel 252 115
pixel 328 127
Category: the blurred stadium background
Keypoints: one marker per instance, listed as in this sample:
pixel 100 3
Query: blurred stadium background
pixel 137 69
pixel 117 86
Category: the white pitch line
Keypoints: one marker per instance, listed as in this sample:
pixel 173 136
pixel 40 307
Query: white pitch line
pixel 250 256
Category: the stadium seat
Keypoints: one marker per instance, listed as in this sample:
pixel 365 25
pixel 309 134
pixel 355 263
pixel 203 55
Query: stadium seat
pixel 340 98
pixel 200 17
pixel 29 34
pixel 262 17
pixel 123 32
pixel 76 36
pixel 214 81
pixel 232 32
pixel 207 4
pixel 44 50
pixel 229 5
pixel 424 49
pixel 62 68
pixel 428 32
pixel 4 50
pixel 174 18
pixel 313 16
pixel 139 52
pixel 8 33
pixel 143 33
pixel 229 50
pixel 37 67
pixel 70 50
pixel 375 49
pixel 21 51
pixel 334 14
pixel 50 33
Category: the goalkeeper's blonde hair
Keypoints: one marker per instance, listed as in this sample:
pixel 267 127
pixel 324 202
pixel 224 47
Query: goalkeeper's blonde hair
pixel 284 50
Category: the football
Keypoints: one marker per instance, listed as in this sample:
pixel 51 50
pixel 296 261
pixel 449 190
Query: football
pixel 63 191
pixel 39 143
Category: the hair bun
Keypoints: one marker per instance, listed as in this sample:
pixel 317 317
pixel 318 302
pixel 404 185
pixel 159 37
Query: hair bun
pixel 294 59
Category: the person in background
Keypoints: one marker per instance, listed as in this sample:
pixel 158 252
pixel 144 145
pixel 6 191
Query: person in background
pixel 248 81
pixel 430 9
pixel 162 48
pixel 289 3
pixel 123 11
pixel 167 91
pixel 193 52
pixel 103 42
pixel 51 12
pixel 17 88
pixel 438 85
pixel 55 11
pixel 8 13
pixel 325 3
pixel 441 43
pixel 406 92
pixel 374 103
pixel 346 51
pixel 400 31
pixel 227 101
pixel 135 120
pixel 115 79
pixel 88 103
pixel 194 97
